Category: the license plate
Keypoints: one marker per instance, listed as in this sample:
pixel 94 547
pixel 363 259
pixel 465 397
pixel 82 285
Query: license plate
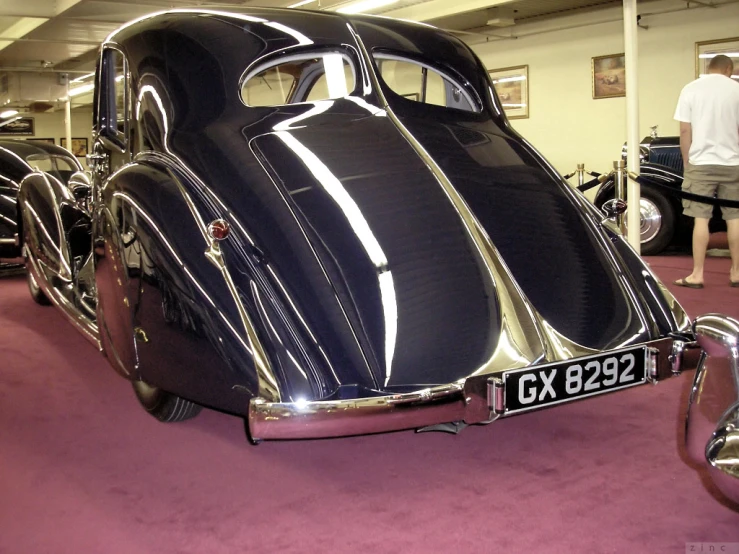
pixel 546 385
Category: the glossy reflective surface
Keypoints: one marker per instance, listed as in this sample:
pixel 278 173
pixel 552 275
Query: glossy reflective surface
pixel 377 246
pixel 19 158
pixel 712 427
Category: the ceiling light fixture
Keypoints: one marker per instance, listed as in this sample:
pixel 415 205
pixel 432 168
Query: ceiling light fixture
pixel 8 113
pixel 4 123
pixel 365 5
pixel 81 90
pixel 80 79
pixel 501 22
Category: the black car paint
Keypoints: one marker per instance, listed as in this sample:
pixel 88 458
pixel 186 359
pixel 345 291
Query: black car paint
pixel 13 168
pixel 193 153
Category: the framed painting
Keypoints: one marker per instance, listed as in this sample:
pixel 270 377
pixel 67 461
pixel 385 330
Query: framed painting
pixel 705 51
pixel 512 87
pixel 19 126
pixel 49 140
pixel 79 146
pixel 609 76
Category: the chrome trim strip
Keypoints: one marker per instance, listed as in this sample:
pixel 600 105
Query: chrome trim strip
pixel 712 426
pixel 88 329
pixel 470 400
pixel 9 241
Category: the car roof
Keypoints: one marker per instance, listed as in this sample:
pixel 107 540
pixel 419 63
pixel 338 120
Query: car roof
pixel 227 43
pixel 25 148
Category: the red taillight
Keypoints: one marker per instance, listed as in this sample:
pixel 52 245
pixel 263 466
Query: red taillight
pixel 219 229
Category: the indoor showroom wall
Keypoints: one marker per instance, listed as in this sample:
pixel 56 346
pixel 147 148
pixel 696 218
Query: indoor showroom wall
pixel 565 123
pixel 51 125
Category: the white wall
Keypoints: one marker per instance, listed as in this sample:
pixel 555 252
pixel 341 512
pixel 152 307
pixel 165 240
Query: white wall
pixel 51 125
pixel 565 123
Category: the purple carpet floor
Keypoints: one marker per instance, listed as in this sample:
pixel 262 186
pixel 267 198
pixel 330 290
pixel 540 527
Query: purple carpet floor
pixel 83 469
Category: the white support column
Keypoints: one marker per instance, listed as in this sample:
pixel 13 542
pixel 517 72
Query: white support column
pixel 68 119
pixel 632 121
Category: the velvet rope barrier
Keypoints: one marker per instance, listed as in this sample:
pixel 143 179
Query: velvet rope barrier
pixel 643 180
pixel 592 183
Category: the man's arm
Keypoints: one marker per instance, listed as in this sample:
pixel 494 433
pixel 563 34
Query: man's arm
pixel 686 138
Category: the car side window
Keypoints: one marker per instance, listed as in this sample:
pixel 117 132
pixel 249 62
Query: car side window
pixel 303 78
pixel 116 96
pixel 422 83
pixel 120 91
pixel 40 162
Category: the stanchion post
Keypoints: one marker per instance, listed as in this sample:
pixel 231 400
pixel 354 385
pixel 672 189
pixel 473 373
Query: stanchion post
pixel 580 175
pixel 620 180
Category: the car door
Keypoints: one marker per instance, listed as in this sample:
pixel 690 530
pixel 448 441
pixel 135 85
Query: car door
pixel 113 229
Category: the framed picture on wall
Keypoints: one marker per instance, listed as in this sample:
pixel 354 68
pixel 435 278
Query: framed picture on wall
pixel 18 126
pixel 79 146
pixel 609 76
pixel 705 51
pixel 49 140
pixel 512 87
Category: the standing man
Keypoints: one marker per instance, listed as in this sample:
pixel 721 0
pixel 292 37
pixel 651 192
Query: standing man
pixel 708 112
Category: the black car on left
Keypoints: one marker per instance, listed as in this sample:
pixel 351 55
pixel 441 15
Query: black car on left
pixel 19 158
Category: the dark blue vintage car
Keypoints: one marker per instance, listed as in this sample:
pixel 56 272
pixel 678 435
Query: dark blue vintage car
pixel 19 158
pixel 325 224
pixel 662 223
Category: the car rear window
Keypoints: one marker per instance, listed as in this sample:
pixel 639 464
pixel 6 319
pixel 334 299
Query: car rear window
pixel 44 162
pixel 420 82
pixel 303 78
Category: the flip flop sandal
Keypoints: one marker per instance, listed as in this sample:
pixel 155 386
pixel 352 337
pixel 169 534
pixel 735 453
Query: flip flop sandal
pixel 685 283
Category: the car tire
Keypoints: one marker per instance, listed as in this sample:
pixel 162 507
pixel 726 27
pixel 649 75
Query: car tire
pixel 163 405
pixel 36 293
pixel 657 222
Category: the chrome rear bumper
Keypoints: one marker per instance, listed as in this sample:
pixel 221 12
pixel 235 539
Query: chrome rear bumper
pixel 269 420
pixel 476 399
pixel 712 426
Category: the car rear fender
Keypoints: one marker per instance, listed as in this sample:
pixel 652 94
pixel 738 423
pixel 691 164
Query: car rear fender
pixel 192 315
pixel 46 212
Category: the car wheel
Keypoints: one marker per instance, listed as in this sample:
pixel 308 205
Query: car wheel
pixel 164 405
pixel 657 222
pixel 36 293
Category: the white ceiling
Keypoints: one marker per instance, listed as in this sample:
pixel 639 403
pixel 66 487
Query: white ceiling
pixel 39 39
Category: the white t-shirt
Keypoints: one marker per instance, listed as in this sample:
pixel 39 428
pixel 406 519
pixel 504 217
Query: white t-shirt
pixel 711 106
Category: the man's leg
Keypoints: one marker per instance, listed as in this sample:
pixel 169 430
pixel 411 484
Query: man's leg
pixel 732 232
pixel 700 245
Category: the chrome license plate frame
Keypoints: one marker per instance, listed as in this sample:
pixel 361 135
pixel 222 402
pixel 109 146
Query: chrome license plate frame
pixel 545 385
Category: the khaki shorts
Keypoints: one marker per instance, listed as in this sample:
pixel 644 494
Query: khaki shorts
pixel 721 181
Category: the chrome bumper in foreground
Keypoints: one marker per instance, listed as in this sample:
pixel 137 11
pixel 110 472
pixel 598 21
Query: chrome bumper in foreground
pixel 477 399
pixel 712 426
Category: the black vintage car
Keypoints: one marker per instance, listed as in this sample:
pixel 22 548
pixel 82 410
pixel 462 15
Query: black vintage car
pixel 326 225
pixel 662 223
pixel 19 158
